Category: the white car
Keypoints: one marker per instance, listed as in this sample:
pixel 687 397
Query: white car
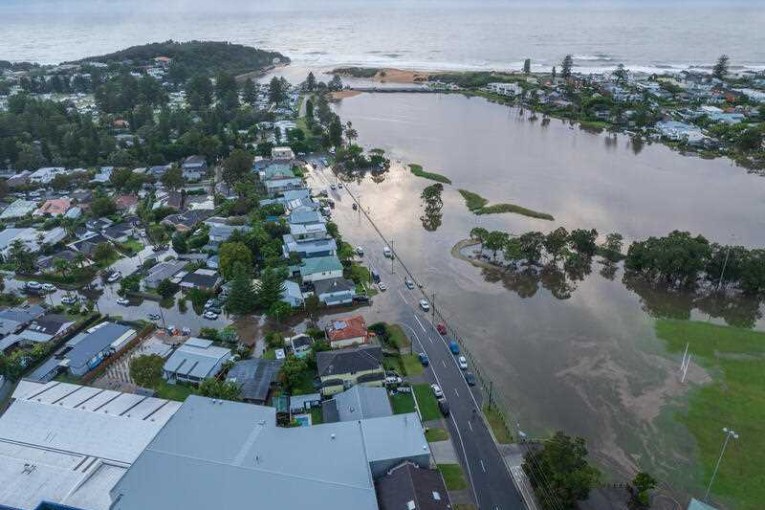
pixel 123 301
pixel 382 286
pixel 360 251
pixel 462 362
pixel 69 300
pixel 33 285
pixel 424 305
pixel 48 287
pixel 393 380
pixel 331 186
pixel 437 390
pixel 114 277
pixel 340 185
pixel 210 315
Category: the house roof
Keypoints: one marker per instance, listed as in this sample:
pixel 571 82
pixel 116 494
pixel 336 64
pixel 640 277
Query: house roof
pixel 196 358
pixel 18 209
pixel 276 171
pixel 118 230
pixel 333 285
pixel 95 340
pixel 304 215
pixel 347 328
pixel 320 265
pixel 50 324
pixel 357 403
pixel 255 376
pixel 13 318
pixel 201 278
pixel 309 247
pixel 55 207
pixel 126 201
pixel 163 271
pixel 353 359
pixel 409 486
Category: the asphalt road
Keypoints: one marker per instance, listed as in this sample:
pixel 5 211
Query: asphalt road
pixel 492 485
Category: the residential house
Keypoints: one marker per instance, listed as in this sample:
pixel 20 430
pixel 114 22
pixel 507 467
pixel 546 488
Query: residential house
pixel 278 186
pixel 104 175
pixel 194 361
pixel 220 231
pixel 305 216
pixel 357 403
pixel 282 153
pixel 53 324
pixel 505 89
pixel 308 231
pixel 194 168
pixel 255 378
pixel 54 207
pixel 158 171
pixel 409 486
pixel 87 245
pixel 18 209
pixel 46 175
pixel 18 180
pixel 320 268
pixel 335 291
pixel 679 131
pixel 31 238
pixel 126 203
pixel 98 224
pixel 304 403
pixel 184 222
pixel 292 295
pixel 300 344
pixel 13 320
pixel 168 270
pixel 119 232
pixel 202 279
pixel 23 338
pixel 347 331
pixel 310 248
pixel 48 263
pixel 341 369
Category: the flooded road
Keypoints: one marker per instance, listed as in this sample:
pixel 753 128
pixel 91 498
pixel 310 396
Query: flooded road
pixel 589 364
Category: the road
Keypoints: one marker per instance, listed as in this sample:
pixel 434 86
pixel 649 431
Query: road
pixel 492 484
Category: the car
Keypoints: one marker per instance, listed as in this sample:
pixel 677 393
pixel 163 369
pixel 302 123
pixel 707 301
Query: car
pixel 360 251
pixel 114 277
pixel 423 359
pixel 470 378
pixel 69 300
pixel 454 347
pixel 210 303
pixel 441 328
pixel 186 331
pixel 409 283
pixel 424 305
pixel 154 316
pixel 48 287
pixel 362 299
pixel 462 362
pixel 437 390
pixel 443 406
pixel 210 315
pixel 393 380
pixel 382 286
pixel 33 285
pixel 375 276
pixel 391 373
pixel 387 252
pixel 123 301
pixel 340 185
pixel 332 186
pixel 215 310
pixel 354 206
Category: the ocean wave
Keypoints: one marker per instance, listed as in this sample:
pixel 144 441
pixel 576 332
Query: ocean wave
pixel 598 57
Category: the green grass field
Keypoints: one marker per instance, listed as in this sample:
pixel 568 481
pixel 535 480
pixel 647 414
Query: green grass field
pixel 479 205
pixel 735 398
pixel 453 476
pixel 419 172
pixel 426 401
pixel 411 364
pixel 497 424
pixel 177 392
pixel 402 403
pixel 434 434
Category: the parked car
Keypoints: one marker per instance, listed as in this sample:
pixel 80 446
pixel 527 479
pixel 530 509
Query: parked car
pixel 454 347
pixel 470 378
pixel 360 251
pixel 375 276
pixel 443 406
pixel 154 316
pixel 441 328
pixel 332 186
pixel 362 299
pixel 437 390
pixel 48 287
pixel 215 310
pixel 210 303
pixel 409 283
pixel 32 285
pixel 424 305
pixel 382 286
pixel 186 331
pixel 123 301
pixel 340 185
pixel 387 252
pixel 423 359
pixel 210 315
pixel 355 207
pixel 114 277
pixel 69 300
pixel 393 380
pixel 462 362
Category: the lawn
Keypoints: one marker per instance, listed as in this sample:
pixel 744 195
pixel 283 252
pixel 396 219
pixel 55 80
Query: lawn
pixel 132 246
pixel 316 416
pixel 419 172
pixel 176 391
pixel 494 417
pixel 426 401
pixel 453 476
pixel 402 403
pixel 433 435
pixel 411 364
pixel 735 398
pixel 479 205
pixel 397 337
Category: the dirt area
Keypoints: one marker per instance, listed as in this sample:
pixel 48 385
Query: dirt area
pixel 342 94
pixel 390 75
pixel 249 329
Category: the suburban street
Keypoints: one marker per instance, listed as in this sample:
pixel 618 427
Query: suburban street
pixel 491 482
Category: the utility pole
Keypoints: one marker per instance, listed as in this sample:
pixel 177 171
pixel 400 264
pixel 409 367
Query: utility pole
pixel 729 433
pixel 392 258
pixel 433 299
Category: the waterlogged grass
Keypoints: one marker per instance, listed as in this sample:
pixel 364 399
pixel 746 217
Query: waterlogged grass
pixel 419 172
pixel 454 479
pixel 735 398
pixel 479 205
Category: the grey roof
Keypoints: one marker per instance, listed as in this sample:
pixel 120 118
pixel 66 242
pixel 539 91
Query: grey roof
pixel 232 455
pixel 93 341
pixel 333 285
pixel 357 403
pixel 50 324
pixel 308 248
pixel 202 278
pixel 353 359
pixel 163 271
pixel 196 358
pixel 254 377
pixel 302 215
pixel 296 194
pixel 409 483
pixel 12 319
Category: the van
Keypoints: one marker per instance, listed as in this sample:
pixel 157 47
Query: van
pixel 375 276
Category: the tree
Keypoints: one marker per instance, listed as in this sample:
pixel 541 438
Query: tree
pixel 20 256
pixel 173 178
pixel 179 243
pixel 555 241
pixel 226 91
pixel 166 288
pixel 310 82
pixel 350 133
pixel 237 166
pixel 146 370
pixel 613 246
pixel 479 234
pixel 583 241
pixel 130 283
pixel 292 372
pixel 527 66
pixel 553 74
pixel 335 133
pixel 495 241
pixel 224 390
pixel 335 83
pixel 309 109
pixel 103 206
pixel 312 304
pixel 231 255
pixel 157 234
pixel 276 91
pixel 241 299
pixel 560 472
pixel 199 92
pixel 639 488
pixel 620 74
pixel 720 70
pixel 271 288
pixel 104 252
pixel 566 66
pixel 279 310
pixel 249 94
pixel 531 244
pixel 62 266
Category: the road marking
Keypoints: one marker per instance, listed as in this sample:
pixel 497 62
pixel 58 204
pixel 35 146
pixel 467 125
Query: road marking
pixel 455 391
pixel 402 296
pixel 431 341
pixel 443 363
pixel 420 323
pixel 470 426
pixel 482 466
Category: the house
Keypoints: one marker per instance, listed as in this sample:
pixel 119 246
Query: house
pixel 300 344
pixel 305 216
pixel 73 213
pixel 357 403
pixel 347 332
pixel 255 377
pixel 335 291
pixel 104 174
pixel 18 209
pixel 98 224
pixel 320 268
pixel 54 207
pixel 220 231
pixel 292 295
pixel 282 153
pixel 88 349
pixel 184 222
pixel 194 168
pixel 158 171
pixel 68 445
pixel 411 486
pixel 23 338
pixel 344 368
pixel 18 180
pixel 278 186
pixel 53 324
pixel 164 271
pixel 46 175
pixel 224 454
pixel 13 320
pixel 504 89
pixel 679 131
pixel 304 403
pixel 194 361
pixel 119 232
pixel 48 263
pixel 88 245
pixel 31 238
pixel 126 203
pixel 308 231
pixel 202 279
pixel 308 249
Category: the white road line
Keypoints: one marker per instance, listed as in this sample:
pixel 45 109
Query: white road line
pixel 431 341
pixel 443 363
pixel 470 426
pixel 455 391
pixel 402 296
pixel 482 466
pixel 420 323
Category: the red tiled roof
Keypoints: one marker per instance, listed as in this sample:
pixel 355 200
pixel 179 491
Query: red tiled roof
pixel 347 328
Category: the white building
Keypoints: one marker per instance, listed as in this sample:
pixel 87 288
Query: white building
pixel 505 89
pixel 195 360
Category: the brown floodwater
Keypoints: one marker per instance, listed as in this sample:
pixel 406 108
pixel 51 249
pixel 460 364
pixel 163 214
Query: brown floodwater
pixel 574 354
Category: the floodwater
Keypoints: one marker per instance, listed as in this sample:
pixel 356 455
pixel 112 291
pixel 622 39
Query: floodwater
pixel 586 361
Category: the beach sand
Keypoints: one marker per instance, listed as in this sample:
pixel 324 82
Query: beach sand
pixel 342 94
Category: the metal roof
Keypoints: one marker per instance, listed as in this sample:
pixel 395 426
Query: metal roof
pixel 254 376
pixel 96 340
pixel 358 403
pixel 196 358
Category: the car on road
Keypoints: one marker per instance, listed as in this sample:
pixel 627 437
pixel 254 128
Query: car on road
pixel 382 286
pixel 441 328
pixel 32 285
pixel 123 301
pixel 423 359
pixel 154 316
pixel 355 207
pixel 210 315
pixel 48 287
pixel 462 362
pixel 332 186
pixel 186 331
pixel 69 300
pixel 424 305
pixel 470 378
pixel 387 252
pixel 215 310
pixel 443 406
pixel 454 347
pixel 210 303
pixel 393 380
pixel 340 185
pixel 375 276
pixel 362 299
pixel 409 283
pixel 360 251
pixel 437 390
pixel 114 277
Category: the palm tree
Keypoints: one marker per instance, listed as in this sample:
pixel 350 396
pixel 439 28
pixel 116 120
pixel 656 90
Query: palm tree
pixel 350 133
pixel 62 266
pixel 479 234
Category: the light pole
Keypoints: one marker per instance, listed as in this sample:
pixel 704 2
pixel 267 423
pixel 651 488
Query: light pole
pixel 729 433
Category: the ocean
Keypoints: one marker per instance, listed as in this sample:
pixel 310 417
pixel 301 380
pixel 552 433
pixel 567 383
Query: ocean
pixel 424 34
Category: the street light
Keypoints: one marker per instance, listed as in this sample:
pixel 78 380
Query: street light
pixel 729 433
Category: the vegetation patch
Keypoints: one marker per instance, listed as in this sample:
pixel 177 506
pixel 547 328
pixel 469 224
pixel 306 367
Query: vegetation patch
pixel 426 401
pixel 479 205
pixel 454 478
pixel 411 364
pixel 419 172
pixel 735 398
pixel 402 403
pixel 436 434
pixel 497 423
